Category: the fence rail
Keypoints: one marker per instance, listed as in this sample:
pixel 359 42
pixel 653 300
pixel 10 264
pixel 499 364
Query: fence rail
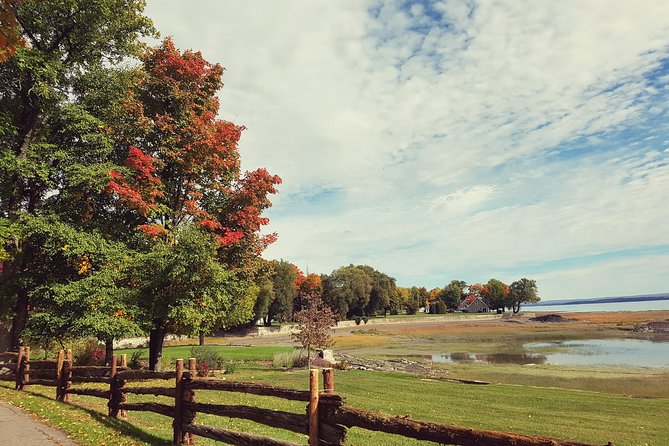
pixel 326 421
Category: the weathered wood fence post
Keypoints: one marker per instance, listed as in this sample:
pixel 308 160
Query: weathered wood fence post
pixel 65 376
pixel 177 438
pixel 26 367
pixel 114 391
pixel 20 364
pixel 187 400
pixel 122 396
pixel 313 407
pixel 59 375
pixel 328 381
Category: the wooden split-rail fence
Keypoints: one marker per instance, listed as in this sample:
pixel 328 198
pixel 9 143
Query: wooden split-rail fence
pixel 326 421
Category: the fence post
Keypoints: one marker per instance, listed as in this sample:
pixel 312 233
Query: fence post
pixel 313 407
pixel 192 367
pixel 26 367
pixel 124 360
pixel 177 439
pixel 328 381
pixel 188 397
pixel 59 374
pixel 66 376
pixel 18 373
pixel 114 400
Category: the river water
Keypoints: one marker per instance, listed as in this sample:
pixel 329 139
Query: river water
pixel 643 305
pixel 600 352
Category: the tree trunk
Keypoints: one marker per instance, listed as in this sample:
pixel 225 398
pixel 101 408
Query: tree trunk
pixel 156 340
pixel 109 351
pixel 201 339
pixel 20 318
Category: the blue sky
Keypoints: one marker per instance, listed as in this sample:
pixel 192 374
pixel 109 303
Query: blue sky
pixel 453 140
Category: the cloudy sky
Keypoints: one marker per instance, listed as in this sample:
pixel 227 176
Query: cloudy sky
pixel 436 140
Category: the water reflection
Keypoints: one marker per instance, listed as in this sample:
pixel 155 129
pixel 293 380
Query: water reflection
pixel 634 352
pixel 621 352
pixel 490 358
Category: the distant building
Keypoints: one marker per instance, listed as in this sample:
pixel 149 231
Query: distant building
pixel 474 304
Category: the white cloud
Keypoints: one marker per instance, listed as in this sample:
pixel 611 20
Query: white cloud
pixel 451 134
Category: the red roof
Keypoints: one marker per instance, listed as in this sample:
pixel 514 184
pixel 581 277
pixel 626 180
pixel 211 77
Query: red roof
pixel 468 301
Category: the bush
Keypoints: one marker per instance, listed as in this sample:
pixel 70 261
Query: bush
pixel 357 320
pixel 208 359
pixel 202 369
pixel 296 358
pixel 230 368
pixel 342 365
pixel 135 361
pixel 88 352
pixel 365 319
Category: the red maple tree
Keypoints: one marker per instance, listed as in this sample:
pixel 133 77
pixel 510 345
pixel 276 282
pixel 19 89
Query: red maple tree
pixel 183 164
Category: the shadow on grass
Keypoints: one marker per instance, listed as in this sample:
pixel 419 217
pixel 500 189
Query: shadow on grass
pixel 126 428
pixel 123 427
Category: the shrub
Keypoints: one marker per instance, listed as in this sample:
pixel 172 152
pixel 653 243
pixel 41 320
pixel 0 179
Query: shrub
pixel 357 320
pixel 88 352
pixel 342 365
pixel 135 361
pixel 202 369
pixel 365 319
pixel 296 358
pixel 230 368
pixel 208 356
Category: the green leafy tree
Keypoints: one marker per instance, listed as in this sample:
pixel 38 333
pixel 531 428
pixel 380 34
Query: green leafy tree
pixel 453 293
pixel 46 139
pixel 383 288
pixel 522 291
pixel 347 291
pixel 399 300
pixel 183 288
pixel 496 293
pixel 283 290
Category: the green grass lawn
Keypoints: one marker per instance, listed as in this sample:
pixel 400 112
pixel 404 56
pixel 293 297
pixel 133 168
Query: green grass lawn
pixel 578 415
pixel 229 352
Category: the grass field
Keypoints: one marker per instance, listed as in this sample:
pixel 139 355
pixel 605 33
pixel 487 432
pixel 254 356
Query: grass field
pixel 624 405
pixel 237 353
pixel 578 415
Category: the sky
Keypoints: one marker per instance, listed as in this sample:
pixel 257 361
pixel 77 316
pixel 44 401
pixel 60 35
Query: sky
pixel 441 140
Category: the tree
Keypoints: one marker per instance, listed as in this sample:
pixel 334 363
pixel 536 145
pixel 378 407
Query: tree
pixel 347 291
pixel 522 291
pixel 399 300
pixel 183 288
pixel 54 44
pixel 182 168
pixel 453 294
pixel 284 292
pixel 314 323
pixel 496 293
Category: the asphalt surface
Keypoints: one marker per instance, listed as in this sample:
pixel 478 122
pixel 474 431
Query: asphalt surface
pixel 17 428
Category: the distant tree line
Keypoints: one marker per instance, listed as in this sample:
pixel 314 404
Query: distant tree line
pixel 360 291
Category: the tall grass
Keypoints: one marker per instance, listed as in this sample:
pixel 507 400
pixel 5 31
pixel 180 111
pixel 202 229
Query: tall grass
pixel 295 358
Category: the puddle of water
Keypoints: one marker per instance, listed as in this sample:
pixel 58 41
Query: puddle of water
pixel 621 352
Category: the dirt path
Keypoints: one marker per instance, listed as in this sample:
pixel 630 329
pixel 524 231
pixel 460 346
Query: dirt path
pixel 17 428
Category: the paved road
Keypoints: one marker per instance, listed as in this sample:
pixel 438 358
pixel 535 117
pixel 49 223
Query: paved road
pixel 17 428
